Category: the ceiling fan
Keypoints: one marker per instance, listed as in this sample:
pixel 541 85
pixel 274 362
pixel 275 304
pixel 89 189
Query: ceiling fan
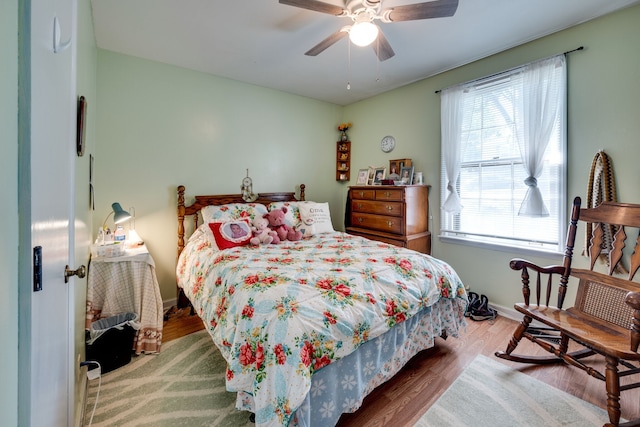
pixel 363 13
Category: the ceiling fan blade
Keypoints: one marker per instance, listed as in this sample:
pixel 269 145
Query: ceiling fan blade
pixel 333 38
pixel 432 9
pixel 316 6
pixel 382 48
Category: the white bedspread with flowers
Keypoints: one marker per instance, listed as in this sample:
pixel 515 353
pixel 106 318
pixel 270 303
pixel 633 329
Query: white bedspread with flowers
pixel 279 313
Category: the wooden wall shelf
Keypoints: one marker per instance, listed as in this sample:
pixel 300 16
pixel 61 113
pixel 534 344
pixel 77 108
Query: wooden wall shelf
pixel 343 161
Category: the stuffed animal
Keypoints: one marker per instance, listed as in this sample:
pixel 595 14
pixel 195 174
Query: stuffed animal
pixel 277 223
pixel 261 232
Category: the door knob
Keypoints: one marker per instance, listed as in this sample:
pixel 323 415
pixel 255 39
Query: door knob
pixel 80 272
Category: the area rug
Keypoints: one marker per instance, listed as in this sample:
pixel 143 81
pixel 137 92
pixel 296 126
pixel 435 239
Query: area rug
pixel 489 393
pixel 181 386
pixel 184 386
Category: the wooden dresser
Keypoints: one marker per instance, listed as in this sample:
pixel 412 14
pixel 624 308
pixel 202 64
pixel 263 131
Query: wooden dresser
pixel 393 214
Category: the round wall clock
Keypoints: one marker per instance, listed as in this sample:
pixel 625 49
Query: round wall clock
pixel 388 143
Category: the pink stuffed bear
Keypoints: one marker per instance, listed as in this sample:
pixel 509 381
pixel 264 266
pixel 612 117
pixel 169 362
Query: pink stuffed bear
pixel 277 224
pixel 262 233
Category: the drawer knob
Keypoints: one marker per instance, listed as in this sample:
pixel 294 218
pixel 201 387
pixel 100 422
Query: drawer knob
pixel 362 194
pixel 359 205
pixel 390 224
pixel 389 208
pixel 387 194
pixel 360 220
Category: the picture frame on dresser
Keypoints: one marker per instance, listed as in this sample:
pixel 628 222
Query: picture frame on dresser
pixel 394 170
pixel 363 177
pixel 371 171
pixel 378 175
pixel 406 175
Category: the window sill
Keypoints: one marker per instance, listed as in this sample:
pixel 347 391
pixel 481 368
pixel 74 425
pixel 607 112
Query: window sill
pixel 516 251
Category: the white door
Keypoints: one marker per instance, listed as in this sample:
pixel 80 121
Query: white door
pixel 52 144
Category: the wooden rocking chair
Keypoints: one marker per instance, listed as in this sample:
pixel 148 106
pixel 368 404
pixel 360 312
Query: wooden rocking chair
pixel 605 318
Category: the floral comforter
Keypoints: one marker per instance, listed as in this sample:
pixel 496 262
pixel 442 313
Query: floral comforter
pixel 278 313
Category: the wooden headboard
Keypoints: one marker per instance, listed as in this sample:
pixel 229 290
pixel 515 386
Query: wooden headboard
pixel 201 201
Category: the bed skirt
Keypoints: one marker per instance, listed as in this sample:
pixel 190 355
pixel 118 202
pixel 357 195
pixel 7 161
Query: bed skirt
pixel 341 386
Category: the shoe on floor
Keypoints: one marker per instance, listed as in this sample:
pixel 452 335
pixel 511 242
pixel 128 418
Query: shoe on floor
pixel 482 311
pixel 474 302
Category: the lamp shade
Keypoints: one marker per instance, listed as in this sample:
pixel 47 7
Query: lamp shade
pixel 119 214
pixel 363 33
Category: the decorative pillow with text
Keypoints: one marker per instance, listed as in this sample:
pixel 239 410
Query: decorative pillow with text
pixel 315 218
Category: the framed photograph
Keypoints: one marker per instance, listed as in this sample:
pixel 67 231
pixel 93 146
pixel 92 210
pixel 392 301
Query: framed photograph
pixel 379 174
pixel 406 175
pixel 81 125
pixel 371 173
pixel 394 170
pixel 363 177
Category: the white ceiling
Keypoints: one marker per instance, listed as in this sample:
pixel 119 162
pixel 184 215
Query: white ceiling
pixel 263 42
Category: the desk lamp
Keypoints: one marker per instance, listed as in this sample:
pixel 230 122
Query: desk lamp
pixel 119 215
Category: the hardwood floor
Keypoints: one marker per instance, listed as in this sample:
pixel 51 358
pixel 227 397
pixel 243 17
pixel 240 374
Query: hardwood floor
pixel 402 400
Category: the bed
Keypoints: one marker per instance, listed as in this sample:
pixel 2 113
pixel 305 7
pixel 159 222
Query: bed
pixel 309 328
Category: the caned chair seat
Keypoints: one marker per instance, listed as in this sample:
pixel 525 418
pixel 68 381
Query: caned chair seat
pixel 589 331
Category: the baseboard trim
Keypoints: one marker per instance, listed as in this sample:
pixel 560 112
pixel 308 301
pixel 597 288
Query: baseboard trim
pixel 167 304
pixel 511 313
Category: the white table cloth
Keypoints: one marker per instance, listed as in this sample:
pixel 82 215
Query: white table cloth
pixel 127 284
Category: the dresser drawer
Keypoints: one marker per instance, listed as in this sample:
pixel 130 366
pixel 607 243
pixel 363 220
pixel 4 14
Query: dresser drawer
pixel 378 208
pixel 387 224
pixel 363 194
pixel 390 194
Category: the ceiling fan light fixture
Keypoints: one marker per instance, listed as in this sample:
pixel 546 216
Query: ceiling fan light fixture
pixel 363 33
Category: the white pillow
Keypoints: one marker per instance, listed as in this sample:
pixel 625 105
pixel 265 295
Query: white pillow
pixel 315 218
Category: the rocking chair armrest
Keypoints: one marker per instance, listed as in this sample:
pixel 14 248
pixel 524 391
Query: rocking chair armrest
pixel 633 300
pixel 519 264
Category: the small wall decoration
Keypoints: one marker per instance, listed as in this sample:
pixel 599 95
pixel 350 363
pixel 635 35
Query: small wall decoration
pixel 343 128
pixel 247 189
pixel 81 128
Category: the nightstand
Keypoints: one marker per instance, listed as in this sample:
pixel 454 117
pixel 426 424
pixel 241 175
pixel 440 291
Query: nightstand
pixel 127 284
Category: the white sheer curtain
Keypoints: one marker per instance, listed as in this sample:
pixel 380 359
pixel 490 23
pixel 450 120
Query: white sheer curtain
pixel 451 122
pixel 541 98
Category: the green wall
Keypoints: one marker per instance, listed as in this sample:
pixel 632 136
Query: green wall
pixel 9 213
pixel 161 126
pixel 603 113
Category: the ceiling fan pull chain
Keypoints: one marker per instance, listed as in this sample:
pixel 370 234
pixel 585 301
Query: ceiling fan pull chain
pixel 378 62
pixel 348 66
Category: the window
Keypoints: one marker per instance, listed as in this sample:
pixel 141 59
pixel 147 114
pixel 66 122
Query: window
pixel 503 158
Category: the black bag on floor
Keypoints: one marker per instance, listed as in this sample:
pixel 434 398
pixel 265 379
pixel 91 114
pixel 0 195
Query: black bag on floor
pixel 110 341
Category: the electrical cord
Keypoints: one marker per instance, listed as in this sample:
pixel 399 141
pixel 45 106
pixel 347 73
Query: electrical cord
pixel 95 404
